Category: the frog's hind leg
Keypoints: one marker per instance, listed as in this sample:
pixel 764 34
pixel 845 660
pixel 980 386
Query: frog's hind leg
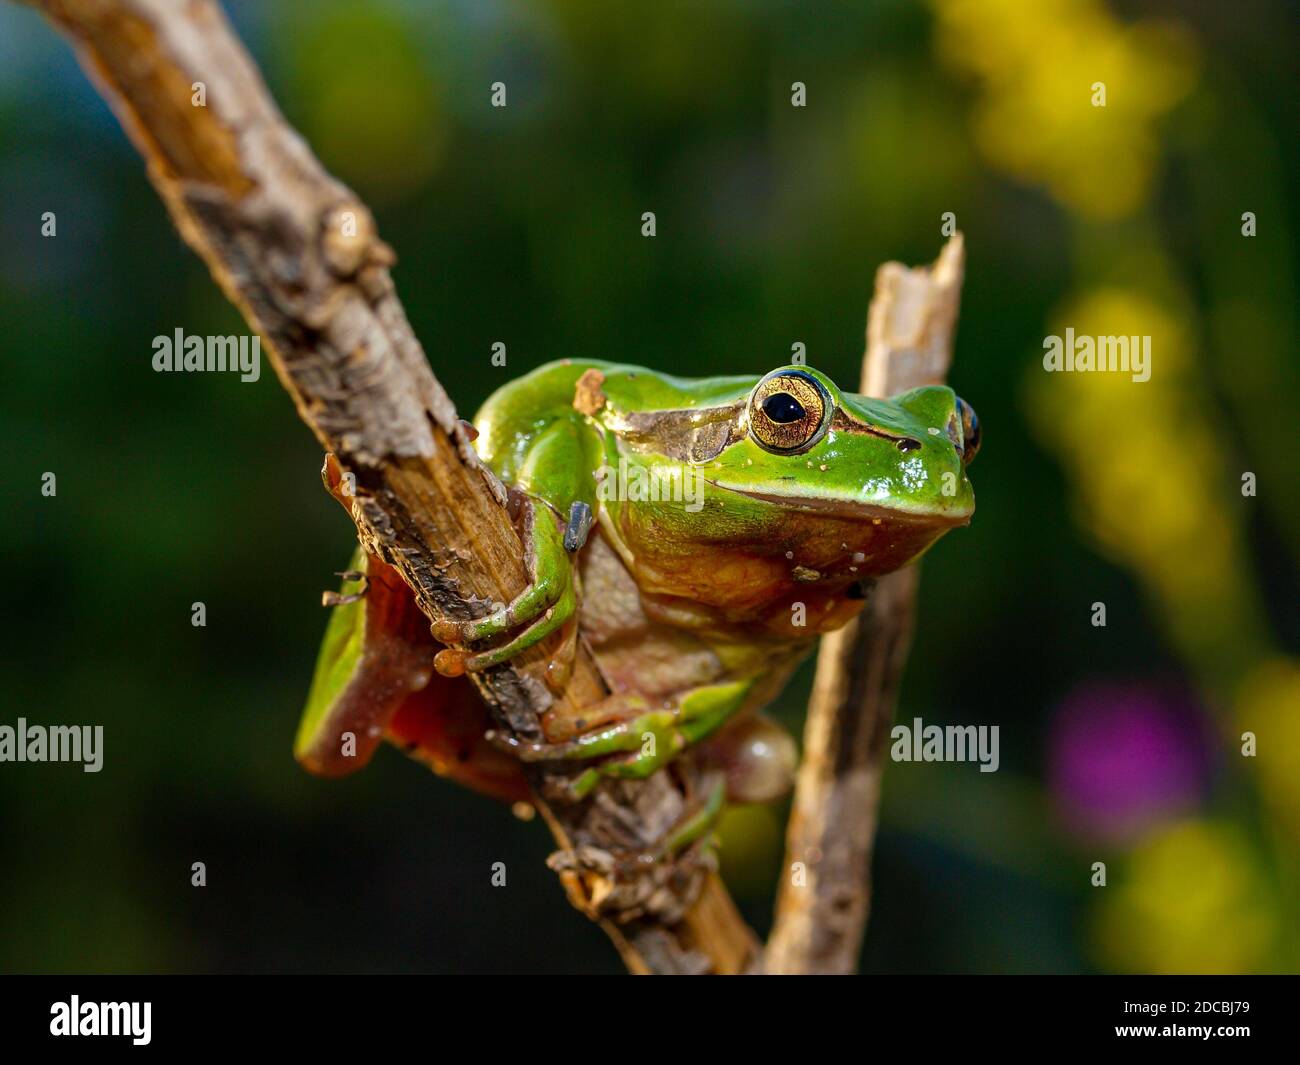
pixel 645 740
pixel 377 650
pixel 443 725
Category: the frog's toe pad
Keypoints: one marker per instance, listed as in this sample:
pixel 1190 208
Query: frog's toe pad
pixel 452 661
pixel 445 630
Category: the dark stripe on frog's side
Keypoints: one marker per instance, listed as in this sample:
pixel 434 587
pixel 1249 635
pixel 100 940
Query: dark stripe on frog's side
pixel 682 435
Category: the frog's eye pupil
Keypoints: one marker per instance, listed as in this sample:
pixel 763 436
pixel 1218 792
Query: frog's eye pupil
pixel 783 408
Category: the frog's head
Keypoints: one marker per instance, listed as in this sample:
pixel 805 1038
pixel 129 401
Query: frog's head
pixel 800 442
pixel 824 486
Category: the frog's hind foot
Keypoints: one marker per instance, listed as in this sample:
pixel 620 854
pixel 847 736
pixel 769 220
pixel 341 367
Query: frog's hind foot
pixel 640 740
pixel 660 878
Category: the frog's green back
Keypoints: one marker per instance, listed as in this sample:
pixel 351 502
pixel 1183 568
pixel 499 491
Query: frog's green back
pixel 519 410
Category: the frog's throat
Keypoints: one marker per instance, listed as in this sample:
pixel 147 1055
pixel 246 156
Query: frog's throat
pixel 856 511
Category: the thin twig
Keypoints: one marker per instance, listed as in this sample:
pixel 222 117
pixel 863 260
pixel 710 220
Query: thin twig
pixel 298 254
pixel 825 890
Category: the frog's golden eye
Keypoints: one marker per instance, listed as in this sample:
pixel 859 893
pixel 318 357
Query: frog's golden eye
pixel 789 412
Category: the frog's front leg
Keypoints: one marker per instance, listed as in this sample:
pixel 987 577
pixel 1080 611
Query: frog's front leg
pixel 547 602
pixel 644 741
pixel 554 483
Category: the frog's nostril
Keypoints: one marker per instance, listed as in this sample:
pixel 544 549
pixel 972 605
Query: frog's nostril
pixel 908 444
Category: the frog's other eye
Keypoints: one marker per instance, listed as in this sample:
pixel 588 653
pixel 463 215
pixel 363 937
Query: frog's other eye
pixel 789 412
pixel 970 430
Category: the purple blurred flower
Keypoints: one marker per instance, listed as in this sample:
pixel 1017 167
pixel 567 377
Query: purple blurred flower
pixel 1123 757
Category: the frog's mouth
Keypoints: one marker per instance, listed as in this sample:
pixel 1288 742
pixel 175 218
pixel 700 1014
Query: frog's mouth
pixel 850 511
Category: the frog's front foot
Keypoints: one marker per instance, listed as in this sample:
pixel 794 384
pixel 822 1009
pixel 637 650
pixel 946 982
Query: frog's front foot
pixel 547 603
pixel 353 576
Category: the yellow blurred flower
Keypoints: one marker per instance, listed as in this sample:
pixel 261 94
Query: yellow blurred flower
pixel 1190 901
pixel 1268 706
pixel 1039 64
pixel 1151 481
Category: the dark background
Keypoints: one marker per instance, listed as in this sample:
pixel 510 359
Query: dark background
pixel 522 225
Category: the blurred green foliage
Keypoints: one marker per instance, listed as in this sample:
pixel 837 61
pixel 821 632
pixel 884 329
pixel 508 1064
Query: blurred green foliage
pixel 522 225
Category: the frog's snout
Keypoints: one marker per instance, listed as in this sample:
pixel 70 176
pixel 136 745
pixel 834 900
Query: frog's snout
pixel 939 408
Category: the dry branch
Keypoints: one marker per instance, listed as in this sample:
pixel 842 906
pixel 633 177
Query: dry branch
pixel 821 916
pixel 297 252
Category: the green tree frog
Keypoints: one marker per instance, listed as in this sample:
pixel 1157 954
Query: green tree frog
pixel 696 535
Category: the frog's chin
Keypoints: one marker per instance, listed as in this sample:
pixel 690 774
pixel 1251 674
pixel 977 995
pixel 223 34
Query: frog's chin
pixel 851 511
